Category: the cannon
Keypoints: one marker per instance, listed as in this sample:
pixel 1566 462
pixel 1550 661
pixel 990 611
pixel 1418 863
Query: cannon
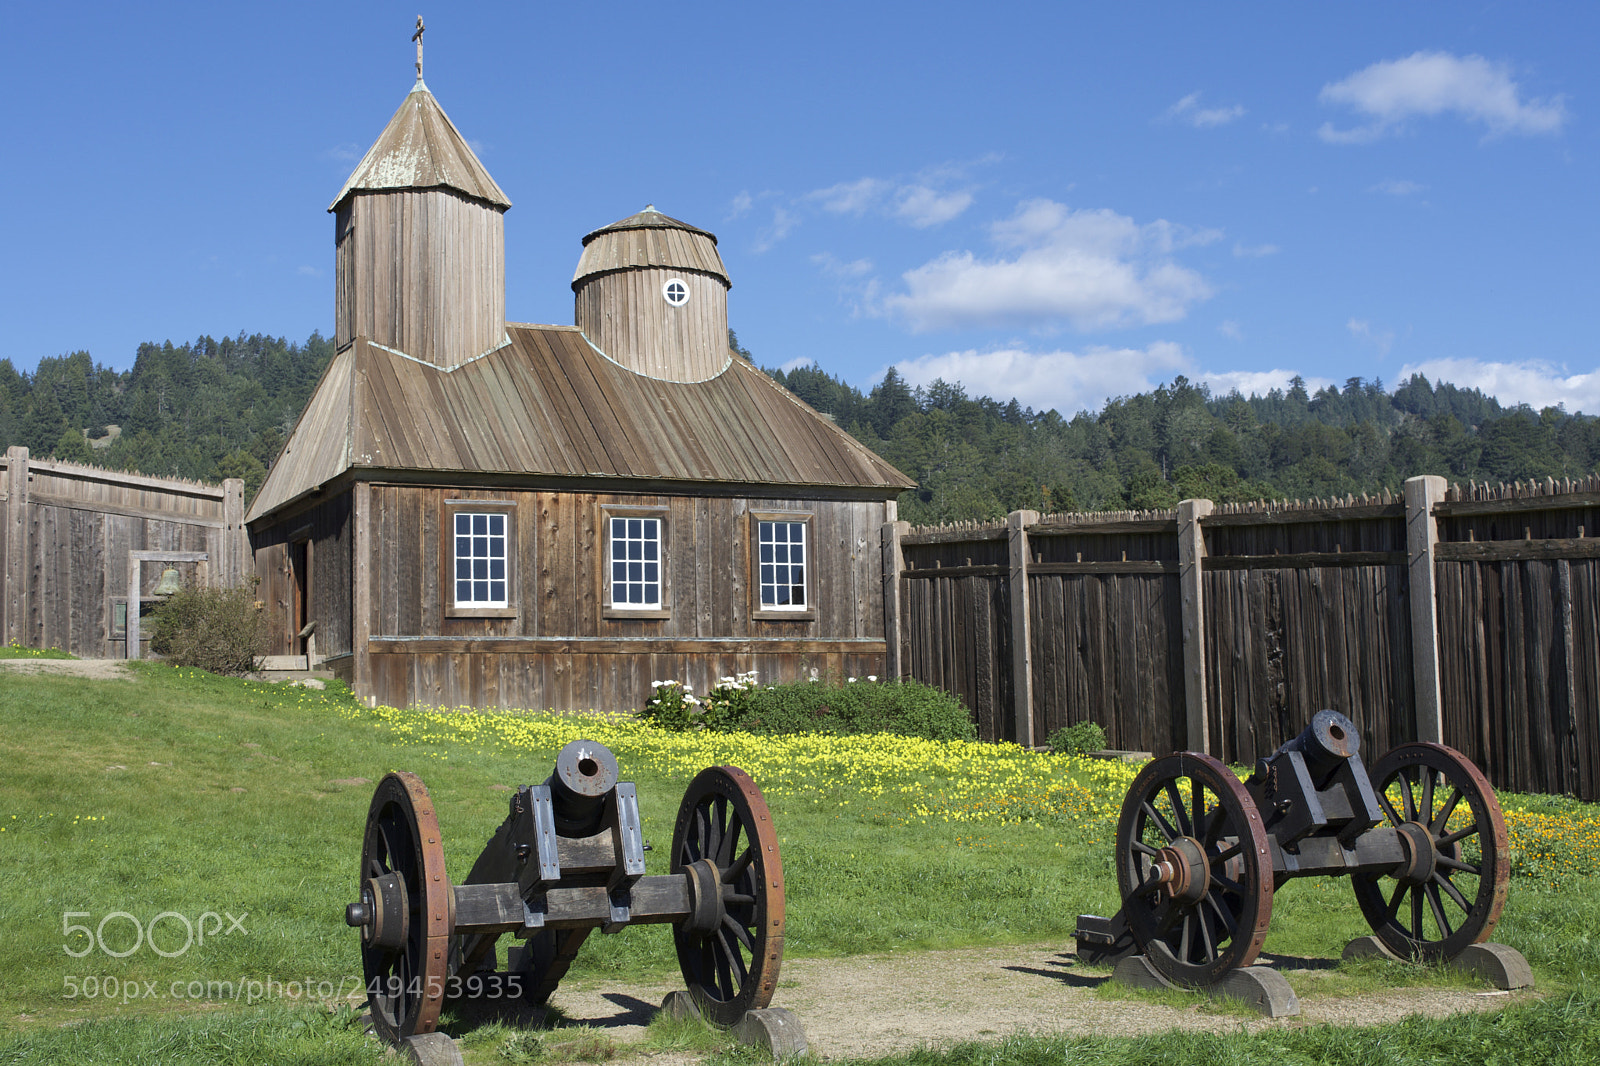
pixel 1199 853
pixel 567 860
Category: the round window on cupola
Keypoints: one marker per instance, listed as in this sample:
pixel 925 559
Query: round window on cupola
pixel 676 292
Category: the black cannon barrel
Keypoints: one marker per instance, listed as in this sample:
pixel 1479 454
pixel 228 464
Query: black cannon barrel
pixel 1326 743
pixel 585 774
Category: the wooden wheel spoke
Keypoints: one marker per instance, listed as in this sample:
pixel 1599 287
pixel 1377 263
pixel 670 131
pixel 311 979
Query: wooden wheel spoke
pixel 1218 821
pixel 1141 848
pixel 1394 900
pixel 1197 817
pixel 1408 799
pixel 1184 937
pixel 1154 815
pixel 1442 819
pixel 1223 856
pixel 1227 885
pixel 1426 807
pixel 737 898
pixel 1228 921
pixel 1458 835
pixel 1180 813
pixel 1453 892
pixel 1416 913
pixel 1169 918
pixel 1388 808
pixel 1206 940
pixel 740 865
pixel 1460 867
pixel 1436 905
pixel 740 933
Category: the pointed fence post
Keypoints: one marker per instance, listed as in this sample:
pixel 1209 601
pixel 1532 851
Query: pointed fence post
pixel 894 563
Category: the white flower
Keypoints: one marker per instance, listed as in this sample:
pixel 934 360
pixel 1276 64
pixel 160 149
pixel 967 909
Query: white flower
pixel 852 680
pixel 872 677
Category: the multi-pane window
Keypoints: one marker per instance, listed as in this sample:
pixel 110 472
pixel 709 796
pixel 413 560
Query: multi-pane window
pixel 782 573
pixel 636 563
pixel 480 559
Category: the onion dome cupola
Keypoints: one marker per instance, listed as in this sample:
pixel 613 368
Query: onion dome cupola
pixel 652 294
pixel 420 235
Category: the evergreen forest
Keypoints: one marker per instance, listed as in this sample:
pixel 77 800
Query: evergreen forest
pixel 213 409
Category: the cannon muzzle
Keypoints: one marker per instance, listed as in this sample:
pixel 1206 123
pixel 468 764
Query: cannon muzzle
pixel 585 774
pixel 1326 744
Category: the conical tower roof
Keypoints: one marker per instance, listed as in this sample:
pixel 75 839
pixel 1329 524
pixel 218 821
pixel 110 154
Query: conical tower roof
pixel 422 149
pixel 649 239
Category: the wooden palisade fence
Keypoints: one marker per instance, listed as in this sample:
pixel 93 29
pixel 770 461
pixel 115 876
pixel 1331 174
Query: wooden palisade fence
pixel 84 548
pixel 1468 614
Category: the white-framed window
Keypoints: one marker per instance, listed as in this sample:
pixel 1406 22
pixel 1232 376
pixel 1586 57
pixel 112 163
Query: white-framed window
pixel 481 578
pixel 635 560
pixel 675 292
pixel 782 562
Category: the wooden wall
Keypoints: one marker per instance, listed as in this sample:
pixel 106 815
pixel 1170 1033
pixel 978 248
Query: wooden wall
pixel 327 529
pixel 557 647
pixel 625 316
pixel 70 530
pixel 1295 608
pixel 421 271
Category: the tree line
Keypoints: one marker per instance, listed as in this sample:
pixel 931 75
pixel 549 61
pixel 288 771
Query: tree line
pixel 212 409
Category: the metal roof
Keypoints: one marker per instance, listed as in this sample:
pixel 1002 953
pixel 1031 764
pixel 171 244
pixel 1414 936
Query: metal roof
pixel 649 239
pixel 421 148
pixel 549 404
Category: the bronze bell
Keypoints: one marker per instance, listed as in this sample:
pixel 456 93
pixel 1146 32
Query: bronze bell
pixel 170 582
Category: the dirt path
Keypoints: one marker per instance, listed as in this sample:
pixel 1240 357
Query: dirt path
pixel 95 669
pixel 878 1004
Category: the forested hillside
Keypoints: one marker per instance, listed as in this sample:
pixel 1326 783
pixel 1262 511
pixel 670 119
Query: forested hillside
pixel 212 409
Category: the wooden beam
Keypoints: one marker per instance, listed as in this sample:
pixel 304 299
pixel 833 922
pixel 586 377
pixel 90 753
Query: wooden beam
pixel 1191 555
pixel 894 565
pixel 1566 501
pixel 958 536
pixel 1484 551
pixel 147 514
pixel 117 477
pixel 1303 560
pixel 236 542
pixel 392 645
pixel 1299 516
pixel 1021 644
pixel 361 518
pixel 1422 496
pixel 1096 529
pixel 1109 566
pixel 16 533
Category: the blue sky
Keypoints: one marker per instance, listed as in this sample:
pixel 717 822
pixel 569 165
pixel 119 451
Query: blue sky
pixel 1061 202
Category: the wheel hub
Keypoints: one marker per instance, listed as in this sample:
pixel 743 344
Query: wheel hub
pixel 1182 871
pixel 1422 856
pixel 705 897
pixel 383 913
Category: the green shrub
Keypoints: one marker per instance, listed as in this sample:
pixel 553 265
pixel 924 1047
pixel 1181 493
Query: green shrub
pixel 907 708
pixel 221 630
pixel 1078 738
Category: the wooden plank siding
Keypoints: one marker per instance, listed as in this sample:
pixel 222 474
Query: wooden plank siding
pixel 328 530
pixel 560 647
pixel 70 529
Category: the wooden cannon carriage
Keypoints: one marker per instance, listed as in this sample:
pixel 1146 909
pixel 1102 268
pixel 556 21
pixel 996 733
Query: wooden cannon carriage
pixel 567 860
pixel 1199 853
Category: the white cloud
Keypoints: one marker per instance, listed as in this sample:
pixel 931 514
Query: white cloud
pixel 1189 110
pixel 1256 382
pixel 1398 188
pixel 783 223
pixel 1533 381
pixel 924 207
pixel 308 271
pixel 1381 339
pixel 1254 251
pixel 838 268
pixel 740 205
pixel 1064 381
pixel 1230 329
pixel 796 364
pixel 851 197
pixel 1095 269
pixel 1429 84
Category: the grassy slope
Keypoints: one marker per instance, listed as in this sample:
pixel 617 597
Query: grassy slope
pixel 212 795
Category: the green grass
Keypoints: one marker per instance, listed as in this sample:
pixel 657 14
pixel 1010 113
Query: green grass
pixel 17 651
pixel 184 794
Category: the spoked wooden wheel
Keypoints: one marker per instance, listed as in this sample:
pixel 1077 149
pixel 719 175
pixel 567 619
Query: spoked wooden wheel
pixel 731 944
pixel 404 912
pixel 1450 890
pixel 1194 870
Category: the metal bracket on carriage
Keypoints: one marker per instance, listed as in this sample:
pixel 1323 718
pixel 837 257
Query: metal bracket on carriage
pixel 1199 853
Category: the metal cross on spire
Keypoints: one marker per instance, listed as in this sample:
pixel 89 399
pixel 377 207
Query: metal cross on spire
pixel 418 38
